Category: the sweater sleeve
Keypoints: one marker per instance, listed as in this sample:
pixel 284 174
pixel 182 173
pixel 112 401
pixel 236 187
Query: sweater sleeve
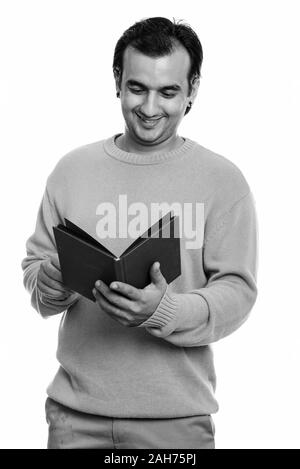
pixel 207 314
pixel 39 247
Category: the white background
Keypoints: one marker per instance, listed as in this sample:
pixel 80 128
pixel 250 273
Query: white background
pixel 57 92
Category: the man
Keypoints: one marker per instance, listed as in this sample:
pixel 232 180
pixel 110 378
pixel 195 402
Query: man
pixel 136 367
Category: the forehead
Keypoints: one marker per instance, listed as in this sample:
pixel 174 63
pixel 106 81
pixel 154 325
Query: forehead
pixel 156 71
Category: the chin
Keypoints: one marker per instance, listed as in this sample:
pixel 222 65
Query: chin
pixel 148 136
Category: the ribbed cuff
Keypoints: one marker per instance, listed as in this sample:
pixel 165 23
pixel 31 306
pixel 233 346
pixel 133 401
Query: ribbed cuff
pixel 165 313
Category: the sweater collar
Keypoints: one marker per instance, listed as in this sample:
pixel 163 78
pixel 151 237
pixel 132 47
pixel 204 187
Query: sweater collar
pixel 138 159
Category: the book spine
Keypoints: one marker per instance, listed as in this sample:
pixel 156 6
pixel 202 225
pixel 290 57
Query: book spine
pixel 120 269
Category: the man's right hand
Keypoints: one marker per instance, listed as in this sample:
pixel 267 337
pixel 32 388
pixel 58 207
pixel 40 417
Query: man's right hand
pixel 49 280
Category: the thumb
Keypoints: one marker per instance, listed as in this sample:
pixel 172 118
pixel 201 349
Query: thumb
pixel 55 261
pixel 155 273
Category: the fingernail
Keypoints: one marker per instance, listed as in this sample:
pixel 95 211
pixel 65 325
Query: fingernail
pixel 94 291
pixel 98 283
pixel 114 286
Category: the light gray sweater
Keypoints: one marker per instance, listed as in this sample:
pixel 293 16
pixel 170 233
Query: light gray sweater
pixel 164 367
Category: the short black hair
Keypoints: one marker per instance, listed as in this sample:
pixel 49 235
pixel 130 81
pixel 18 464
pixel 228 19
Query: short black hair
pixel 157 37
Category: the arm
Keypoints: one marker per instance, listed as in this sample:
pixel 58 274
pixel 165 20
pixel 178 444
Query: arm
pixel 40 248
pixel 208 314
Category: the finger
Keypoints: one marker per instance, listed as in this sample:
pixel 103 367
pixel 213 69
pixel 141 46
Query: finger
pixel 155 273
pixel 51 271
pixel 51 292
pixel 58 301
pixel 50 282
pixel 55 261
pixel 113 311
pixel 127 290
pixel 114 298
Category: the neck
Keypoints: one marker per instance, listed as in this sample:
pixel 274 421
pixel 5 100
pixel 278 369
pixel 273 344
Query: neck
pixel 126 143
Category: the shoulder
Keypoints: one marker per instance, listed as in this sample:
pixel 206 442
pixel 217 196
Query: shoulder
pixel 225 180
pixel 75 162
pixel 79 156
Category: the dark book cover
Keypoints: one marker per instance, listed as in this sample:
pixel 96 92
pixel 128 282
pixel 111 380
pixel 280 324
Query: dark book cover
pixel 84 260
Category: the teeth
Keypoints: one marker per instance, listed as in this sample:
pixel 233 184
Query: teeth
pixel 150 121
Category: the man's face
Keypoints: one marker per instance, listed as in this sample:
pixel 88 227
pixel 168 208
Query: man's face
pixel 154 95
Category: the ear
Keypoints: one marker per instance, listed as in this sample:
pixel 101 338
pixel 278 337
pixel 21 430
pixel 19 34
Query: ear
pixel 192 96
pixel 195 87
pixel 117 76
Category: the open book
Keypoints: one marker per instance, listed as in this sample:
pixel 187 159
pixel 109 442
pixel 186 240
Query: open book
pixel 84 260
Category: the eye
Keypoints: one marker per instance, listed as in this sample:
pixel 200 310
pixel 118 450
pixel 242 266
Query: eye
pixel 136 90
pixel 168 95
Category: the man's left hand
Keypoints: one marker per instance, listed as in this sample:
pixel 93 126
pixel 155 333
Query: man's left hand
pixel 128 305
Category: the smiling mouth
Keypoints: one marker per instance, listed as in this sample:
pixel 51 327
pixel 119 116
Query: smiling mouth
pixel 150 122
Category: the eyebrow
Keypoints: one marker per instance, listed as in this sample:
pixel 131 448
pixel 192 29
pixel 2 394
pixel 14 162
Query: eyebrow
pixel 173 87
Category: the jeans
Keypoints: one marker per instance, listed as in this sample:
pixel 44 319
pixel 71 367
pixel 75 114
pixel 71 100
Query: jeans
pixel 71 429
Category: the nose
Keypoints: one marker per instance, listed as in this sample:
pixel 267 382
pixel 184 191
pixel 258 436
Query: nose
pixel 150 106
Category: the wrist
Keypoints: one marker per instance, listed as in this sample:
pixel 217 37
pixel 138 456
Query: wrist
pixel 165 313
